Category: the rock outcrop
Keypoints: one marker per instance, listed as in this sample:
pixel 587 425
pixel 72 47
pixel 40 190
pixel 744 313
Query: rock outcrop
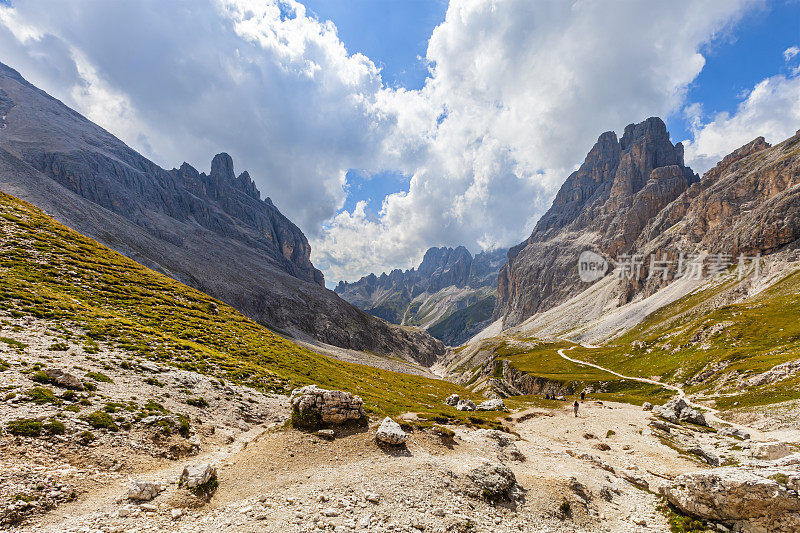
pixel 313 407
pixel 210 231
pixel 603 206
pixel 451 293
pixel 677 410
pixel 760 497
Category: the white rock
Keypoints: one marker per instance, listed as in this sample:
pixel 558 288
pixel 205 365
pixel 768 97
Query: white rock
pixel 769 450
pixel 198 474
pixel 391 433
pixel 492 405
pixel 176 513
pixel 142 490
pixel 466 405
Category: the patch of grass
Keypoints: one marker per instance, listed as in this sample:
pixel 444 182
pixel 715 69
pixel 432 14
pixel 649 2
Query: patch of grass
pixel 40 377
pixel 153 381
pixel 20 346
pixel 681 523
pixel 99 376
pixel 59 347
pixel 101 420
pixel 41 395
pixel 207 489
pixel 197 402
pixel 54 427
pixel 4 366
pixel 86 438
pixel 24 427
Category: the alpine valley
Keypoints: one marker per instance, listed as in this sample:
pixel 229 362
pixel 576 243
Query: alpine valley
pixel 170 359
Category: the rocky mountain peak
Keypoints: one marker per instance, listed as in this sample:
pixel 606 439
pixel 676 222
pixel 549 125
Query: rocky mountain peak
pixel 621 185
pixel 222 168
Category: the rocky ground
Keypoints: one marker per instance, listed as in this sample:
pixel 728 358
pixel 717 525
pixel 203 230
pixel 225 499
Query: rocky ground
pixel 605 470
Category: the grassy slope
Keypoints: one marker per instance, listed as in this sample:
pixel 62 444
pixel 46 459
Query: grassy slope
pixel 50 271
pixel 686 337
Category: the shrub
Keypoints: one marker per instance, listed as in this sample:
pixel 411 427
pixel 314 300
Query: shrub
pixel 101 420
pixel 86 437
pixel 152 405
pixel 207 489
pixel 184 428
pixel 41 395
pixel 69 396
pixel 10 396
pixel 55 427
pixel 85 401
pixel 40 377
pixel 88 385
pixel 4 366
pixel 153 381
pixel 59 347
pixel 98 376
pixel 73 408
pixel 197 402
pixel 564 508
pixel 25 427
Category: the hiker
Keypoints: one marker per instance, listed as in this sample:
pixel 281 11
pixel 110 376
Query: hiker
pixel 583 395
pixel 546 396
pixel 575 407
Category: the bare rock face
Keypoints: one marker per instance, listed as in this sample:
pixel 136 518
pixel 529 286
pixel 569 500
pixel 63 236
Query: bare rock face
pixel 603 206
pixel 757 498
pixel 494 482
pixel 210 231
pixel 313 407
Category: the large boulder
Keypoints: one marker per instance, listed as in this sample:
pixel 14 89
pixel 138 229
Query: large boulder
pixel 197 475
pixel 495 482
pixel 759 498
pixel 142 491
pixel 391 433
pixel 466 405
pixel 770 450
pixel 677 410
pixel 313 407
pixel 453 400
pixel 492 405
pixel 63 379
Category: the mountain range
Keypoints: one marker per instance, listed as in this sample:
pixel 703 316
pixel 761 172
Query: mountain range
pixel 451 294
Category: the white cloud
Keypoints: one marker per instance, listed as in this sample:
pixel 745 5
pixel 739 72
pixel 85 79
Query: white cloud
pixel 525 89
pixel 518 92
pixel 790 52
pixel 771 109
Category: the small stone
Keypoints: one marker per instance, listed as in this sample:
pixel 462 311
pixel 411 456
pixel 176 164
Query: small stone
pixel 176 513
pixel 391 433
pixel 372 497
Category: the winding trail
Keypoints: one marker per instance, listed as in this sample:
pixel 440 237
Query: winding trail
pixel 710 412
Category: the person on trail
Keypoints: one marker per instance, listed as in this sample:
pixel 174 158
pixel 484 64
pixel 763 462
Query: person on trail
pixel 583 395
pixel 575 407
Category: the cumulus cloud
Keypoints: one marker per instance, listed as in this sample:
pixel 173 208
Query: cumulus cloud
pixel 771 109
pixel 517 93
pixel 790 52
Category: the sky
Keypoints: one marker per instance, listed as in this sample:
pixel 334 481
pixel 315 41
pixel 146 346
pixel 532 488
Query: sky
pixel 384 127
